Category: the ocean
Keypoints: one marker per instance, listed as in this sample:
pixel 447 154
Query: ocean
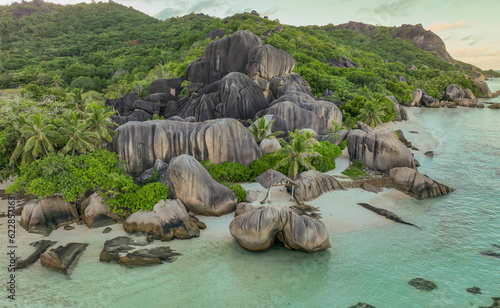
pixel 372 265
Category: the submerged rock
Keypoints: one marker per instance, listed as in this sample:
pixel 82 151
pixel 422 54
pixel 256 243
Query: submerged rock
pixel 416 184
pixel 490 253
pixel 362 305
pixel 43 216
pixel 190 182
pixel 63 258
pixel 474 290
pixel 40 247
pixel 422 284
pixel 496 303
pixel 312 184
pixel 494 106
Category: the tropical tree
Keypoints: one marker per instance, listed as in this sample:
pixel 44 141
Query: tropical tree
pixel 36 139
pixel 262 130
pixel 300 146
pixel 97 120
pixel 371 114
pixel 57 81
pixel 77 136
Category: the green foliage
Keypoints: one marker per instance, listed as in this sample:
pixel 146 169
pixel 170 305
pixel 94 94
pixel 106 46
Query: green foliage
pixel 136 198
pixel 328 152
pixel 228 172
pixel 239 191
pixel 300 146
pixel 355 170
pixel 343 145
pixel 262 130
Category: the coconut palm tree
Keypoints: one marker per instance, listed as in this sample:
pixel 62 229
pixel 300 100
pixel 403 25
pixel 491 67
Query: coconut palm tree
pixel 262 130
pixel 300 146
pixel 36 139
pixel 77 136
pixel 97 120
pixel 371 114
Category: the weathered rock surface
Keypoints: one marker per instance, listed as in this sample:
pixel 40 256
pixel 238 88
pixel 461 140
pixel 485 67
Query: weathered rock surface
pixel 95 214
pixel 215 33
pixel 380 150
pixel 252 196
pixel 301 232
pixel 417 95
pixel 483 87
pixel 158 168
pixel 387 214
pixel 123 104
pixel 474 290
pixel 243 207
pixel 257 229
pixel 266 62
pixel 40 247
pixel 43 216
pixel 371 188
pixel 172 86
pixel 454 92
pixel 341 63
pixel 136 115
pixel 63 258
pixel 416 184
pixel 422 284
pixel 268 146
pixel 494 106
pixel 401 114
pixel 289 83
pixel 141 143
pixel 168 220
pixel 312 184
pixel 189 181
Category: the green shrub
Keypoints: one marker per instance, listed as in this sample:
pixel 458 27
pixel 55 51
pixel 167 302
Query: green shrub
pixel 355 170
pixel 343 145
pixel 239 191
pixel 137 198
pixel 326 161
pixel 228 172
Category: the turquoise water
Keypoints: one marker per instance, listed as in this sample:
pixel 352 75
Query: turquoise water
pixel 372 265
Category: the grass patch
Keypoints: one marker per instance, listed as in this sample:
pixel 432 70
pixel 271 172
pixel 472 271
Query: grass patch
pixel 355 171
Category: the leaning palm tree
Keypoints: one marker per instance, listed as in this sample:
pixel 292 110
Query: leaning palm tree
pixel 371 114
pixel 300 146
pixel 97 120
pixel 262 130
pixel 36 139
pixel 77 136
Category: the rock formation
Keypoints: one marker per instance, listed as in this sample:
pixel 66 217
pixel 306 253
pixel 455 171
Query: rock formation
pixel 341 63
pixel 422 284
pixel 266 62
pixel 416 184
pixel 63 258
pixel 171 86
pixel 268 146
pixel 190 182
pixel 380 150
pixel 494 106
pixel 215 33
pixel 40 247
pixel 43 216
pixel 401 114
pixel 289 83
pixel 95 214
pixel 140 144
pixel 312 184
pixel 158 168
pixel 168 219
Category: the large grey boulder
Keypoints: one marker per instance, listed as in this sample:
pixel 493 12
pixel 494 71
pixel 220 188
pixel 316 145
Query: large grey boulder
pixel 95 213
pixel 416 184
pixel 43 216
pixel 483 87
pixel 123 105
pixel 292 82
pixel 454 92
pixel 302 232
pixel 494 106
pixel 380 150
pixel 312 184
pixel 168 219
pixel 401 114
pixel 268 146
pixel 172 86
pixel 215 33
pixel 190 182
pixel 417 95
pixel 141 143
pixel 266 62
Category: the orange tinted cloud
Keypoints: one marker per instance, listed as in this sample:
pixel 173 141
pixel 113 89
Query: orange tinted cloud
pixel 436 27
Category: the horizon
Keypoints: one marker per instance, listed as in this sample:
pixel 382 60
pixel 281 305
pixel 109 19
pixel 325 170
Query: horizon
pixel 460 27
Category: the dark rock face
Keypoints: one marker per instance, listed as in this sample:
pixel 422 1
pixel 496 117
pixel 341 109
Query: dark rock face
pixel 312 184
pixel 401 79
pixel 158 168
pixel 115 248
pixel 258 228
pixel 215 33
pixel 416 184
pixel 454 92
pixel 485 90
pixel 63 258
pixel 47 214
pixel 172 86
pixel 136 115
pixel 168 220
pixel 95 214
pixel 341 63
pixel 387 214
pixel 289 83
pixel 371 188
pixel 380 150
pixel 266 62
pixel 490 253
pixel 141 143
pixel 190 182
pixel 229 54
pixel 40 247
pixel 401 114
pixel 422 284
pixel 123 104
pixel 494 106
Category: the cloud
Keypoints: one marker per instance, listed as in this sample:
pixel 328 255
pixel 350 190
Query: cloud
pixel 384 13
pixel 436 27
pixel 475 52
pixel 169 12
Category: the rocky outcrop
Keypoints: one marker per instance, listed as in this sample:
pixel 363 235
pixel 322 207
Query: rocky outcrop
pixel 494 106
pixel 268 146
pixel 429 101
pixel 215 33
pixel 94 212
pixel 289 83
pixel 140 144
pixel 401 114
pixel 341 63
pixel 417 95
pixel 117 250
pixel 258 228
pixel 123 104
pixel 63 258
pixel 380 150
pixel 422 284
pixel 136 115
pixel 168 220
pixel 172 86
pixel 43 216
pixel 40 247
pixel 416 184
pixel 454 92
pixel 243 207
pixel 312 184
pixel 387 214
pixel 190 182
pixel 266 62
pixel 158 168
pixel 229 54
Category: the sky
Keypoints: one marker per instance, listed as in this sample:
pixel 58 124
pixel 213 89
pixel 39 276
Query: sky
pixel 470 29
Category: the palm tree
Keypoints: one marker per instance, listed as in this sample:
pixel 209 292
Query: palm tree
pixel 371 113
pixel 36 139
pixel 300 146
pixel 97 120
pixel 260 130
pixel 57 81
pixel 78 137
